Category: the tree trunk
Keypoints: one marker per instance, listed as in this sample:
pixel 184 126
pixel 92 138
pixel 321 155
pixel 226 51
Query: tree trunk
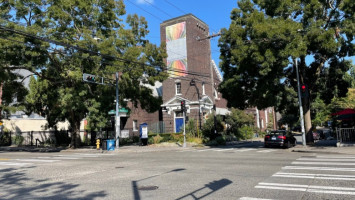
pixel 307 120
pixel 75 139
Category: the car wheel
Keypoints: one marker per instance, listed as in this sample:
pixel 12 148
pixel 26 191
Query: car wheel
pixel 266 146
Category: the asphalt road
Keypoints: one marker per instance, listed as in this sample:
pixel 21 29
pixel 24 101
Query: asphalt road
pixel 235 172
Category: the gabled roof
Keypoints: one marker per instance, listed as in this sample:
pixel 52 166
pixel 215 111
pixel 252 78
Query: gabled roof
pixel 175 100
pixel 219 75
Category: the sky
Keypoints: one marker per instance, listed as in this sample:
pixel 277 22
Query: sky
pixel 216 14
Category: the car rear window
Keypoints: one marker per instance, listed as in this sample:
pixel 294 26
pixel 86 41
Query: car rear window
pixel 277 133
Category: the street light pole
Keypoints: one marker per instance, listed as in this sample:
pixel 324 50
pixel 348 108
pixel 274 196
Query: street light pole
pixel 300 106
pixel 117 117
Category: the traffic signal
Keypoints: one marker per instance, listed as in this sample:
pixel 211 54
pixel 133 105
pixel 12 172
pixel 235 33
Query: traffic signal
pixel 89 78
pixel 304 90
pixel 183 106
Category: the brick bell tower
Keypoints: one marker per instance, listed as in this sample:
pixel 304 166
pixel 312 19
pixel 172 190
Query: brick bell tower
pixel 191 72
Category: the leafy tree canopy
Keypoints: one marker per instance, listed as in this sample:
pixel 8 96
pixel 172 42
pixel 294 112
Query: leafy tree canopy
pixel 259 49
pixel 81 37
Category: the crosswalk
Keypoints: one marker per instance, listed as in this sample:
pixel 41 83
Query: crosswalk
pixel 235 150
pixel 320 175
pixel 25 162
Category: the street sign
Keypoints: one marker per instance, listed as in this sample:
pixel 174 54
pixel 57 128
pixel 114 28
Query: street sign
pixel 121 110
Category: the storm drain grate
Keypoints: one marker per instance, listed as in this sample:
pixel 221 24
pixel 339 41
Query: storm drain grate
pixel 152 187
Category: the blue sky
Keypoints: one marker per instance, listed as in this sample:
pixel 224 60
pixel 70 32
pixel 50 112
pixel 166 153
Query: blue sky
pixel 214 13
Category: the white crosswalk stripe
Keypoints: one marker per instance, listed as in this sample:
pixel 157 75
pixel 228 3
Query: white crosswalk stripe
pixel 236 150
pixel 333 171
pixel 246 149
pixel 21 162
pixel 267 151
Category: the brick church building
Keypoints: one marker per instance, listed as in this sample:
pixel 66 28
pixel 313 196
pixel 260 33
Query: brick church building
pixel 193 78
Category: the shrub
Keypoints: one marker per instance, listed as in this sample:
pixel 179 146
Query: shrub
pixel 5 139
pixel 245 132
pixel 221 140
pixel 208 127
pixel 176 137
pixel 18 140
pixel 157 139
pixel 195 140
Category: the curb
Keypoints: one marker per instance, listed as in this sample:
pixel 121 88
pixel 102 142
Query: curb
pixel 311 151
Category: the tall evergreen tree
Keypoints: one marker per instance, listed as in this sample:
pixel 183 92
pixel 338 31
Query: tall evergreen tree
pixel 259 50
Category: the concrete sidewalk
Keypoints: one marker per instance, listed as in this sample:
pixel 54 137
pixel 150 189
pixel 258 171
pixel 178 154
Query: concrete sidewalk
pixel 323 146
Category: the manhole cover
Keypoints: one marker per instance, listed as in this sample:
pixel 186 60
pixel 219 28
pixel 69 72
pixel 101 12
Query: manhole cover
pixel 153 187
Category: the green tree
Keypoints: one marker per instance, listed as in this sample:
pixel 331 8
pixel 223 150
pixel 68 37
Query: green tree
pixel 259 50
pixel 208 127
pixel 320 112
pixel 238 121
pixel 100 44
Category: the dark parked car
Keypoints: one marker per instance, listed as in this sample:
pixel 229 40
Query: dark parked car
pixel 280 138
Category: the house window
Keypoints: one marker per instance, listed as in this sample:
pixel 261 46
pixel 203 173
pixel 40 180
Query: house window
pixel 135 125
pixel 203 89
pixel 178 88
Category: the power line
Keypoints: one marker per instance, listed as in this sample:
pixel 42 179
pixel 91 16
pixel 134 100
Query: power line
pixel 156 7
pixel 176 7
pixel 145 10
pixel 89 51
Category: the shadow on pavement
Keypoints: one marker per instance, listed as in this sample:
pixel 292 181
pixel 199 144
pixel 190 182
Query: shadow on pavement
pixel 137 188
pixel 212 186
pixel 15 184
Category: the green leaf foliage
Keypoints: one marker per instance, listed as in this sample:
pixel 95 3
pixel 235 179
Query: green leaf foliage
pixel 105 43
pixel 259 48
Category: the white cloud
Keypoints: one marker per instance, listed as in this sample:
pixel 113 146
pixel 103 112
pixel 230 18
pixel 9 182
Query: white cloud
pixel 145 1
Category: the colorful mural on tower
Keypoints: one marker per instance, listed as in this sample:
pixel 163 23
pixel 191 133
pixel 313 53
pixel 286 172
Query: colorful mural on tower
pixel 176 49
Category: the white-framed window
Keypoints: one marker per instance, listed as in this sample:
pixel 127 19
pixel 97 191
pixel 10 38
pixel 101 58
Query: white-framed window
pixel 135 125
pixel 178 88
pixel 203 89
pixel 215 94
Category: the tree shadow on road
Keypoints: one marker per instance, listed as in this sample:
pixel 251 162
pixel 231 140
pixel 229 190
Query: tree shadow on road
pixel 15 184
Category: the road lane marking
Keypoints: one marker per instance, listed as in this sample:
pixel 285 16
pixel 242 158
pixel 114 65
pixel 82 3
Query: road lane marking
pixel 15 164
pixel 224 149
pixel 307 188
pixel 267 150
pixel 324 159
pixel 77 156
pixel 321 168
pixel 280 188
pixel 5 159
pixel 200 150
pixel 62 158
pixel 243 150
pixel 315 176
pixel 337 157
pixel 36 160
pixel 321 163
